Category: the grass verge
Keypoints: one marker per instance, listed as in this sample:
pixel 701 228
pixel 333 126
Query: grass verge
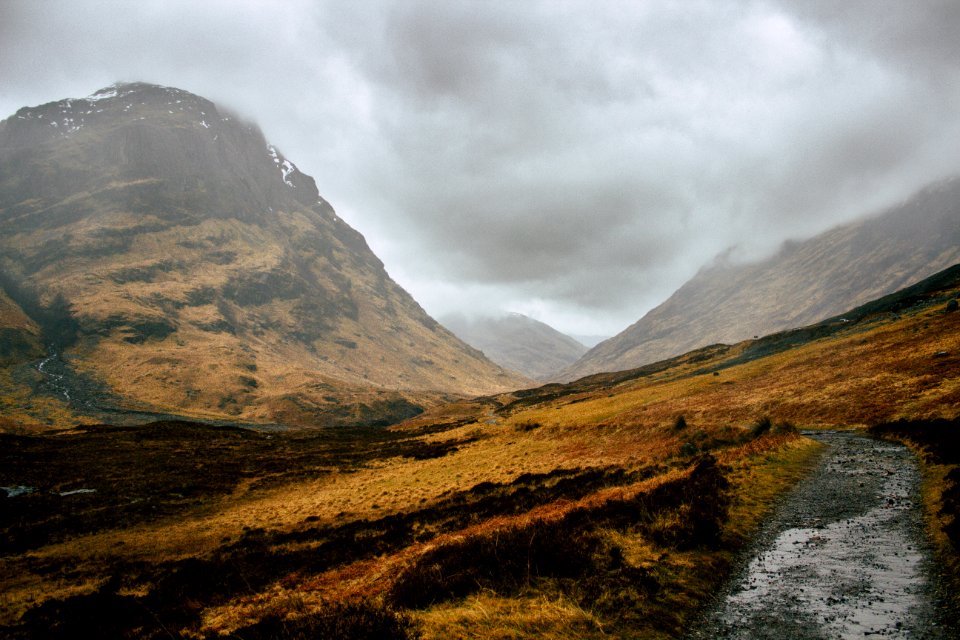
pixel 937 443
pixel 621 578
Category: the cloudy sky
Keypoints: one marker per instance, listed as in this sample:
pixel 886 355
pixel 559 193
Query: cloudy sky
pixel 574 161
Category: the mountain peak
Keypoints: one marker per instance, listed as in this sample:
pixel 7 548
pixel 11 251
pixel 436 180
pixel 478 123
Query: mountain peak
pixel 148 131
pixel 184 246
pixel 128 89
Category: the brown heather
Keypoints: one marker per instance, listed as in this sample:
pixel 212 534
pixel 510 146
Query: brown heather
pixel 575 511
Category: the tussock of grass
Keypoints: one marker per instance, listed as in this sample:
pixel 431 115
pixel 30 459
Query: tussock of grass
pixel 759 472
pixel 493 617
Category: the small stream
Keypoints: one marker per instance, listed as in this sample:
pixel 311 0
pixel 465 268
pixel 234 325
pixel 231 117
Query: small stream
pixel 55 381
pixel 843 557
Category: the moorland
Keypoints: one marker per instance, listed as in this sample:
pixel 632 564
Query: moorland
pixel 607 507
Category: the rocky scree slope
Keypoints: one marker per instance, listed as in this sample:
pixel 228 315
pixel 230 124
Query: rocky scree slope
pixel 184 263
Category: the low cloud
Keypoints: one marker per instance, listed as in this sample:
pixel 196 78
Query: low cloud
pixel 577 161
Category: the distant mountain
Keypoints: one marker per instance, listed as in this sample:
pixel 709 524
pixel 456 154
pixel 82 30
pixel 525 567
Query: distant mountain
pixel 589 341
pixel 803 283
pixel 519 343
pixel 183 264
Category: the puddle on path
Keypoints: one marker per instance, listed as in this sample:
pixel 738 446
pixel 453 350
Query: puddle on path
pixel 17 490
pixel 843 557
pixel 76 492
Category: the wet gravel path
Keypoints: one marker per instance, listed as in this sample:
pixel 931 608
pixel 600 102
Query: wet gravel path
pixel 844 556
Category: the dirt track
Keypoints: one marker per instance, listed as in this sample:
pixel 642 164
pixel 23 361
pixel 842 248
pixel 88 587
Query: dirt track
pixel 844 556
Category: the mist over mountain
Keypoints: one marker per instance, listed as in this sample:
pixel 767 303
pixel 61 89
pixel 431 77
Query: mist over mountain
pixel 589 341
pixel 180 261
pixel 518 342
pixel 803 283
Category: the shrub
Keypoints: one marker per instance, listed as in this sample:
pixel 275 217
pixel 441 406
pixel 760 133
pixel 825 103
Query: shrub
pixel 680 423
pixel 618 592
pixel 695 508
pixel 527 426
pixel 97 615
pixel 689 449
pixel 761 426
pixel 684 513
pixel 784 428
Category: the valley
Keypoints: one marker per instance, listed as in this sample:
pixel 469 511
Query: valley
pixel 614 506
pixel 220 417
pixel 518 343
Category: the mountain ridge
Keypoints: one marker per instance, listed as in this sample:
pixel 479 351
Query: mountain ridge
pixel 804 282
pixel 204 273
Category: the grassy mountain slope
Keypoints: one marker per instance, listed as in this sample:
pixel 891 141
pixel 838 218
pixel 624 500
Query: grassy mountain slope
pixel 519 343
pixel 805 282
pixel 585 510
pixel 20 336
pixel 185 266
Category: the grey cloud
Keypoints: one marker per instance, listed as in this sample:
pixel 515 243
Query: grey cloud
pixel 579 159
pixel 450 49
pixel 591 156
pixel 920 35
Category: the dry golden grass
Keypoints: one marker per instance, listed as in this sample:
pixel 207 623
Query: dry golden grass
pixel 25 412
pixel 880 372
pixel 861 378
pixel 386 486
pixel 382 349
pixel 762 470
pixel 935 484
pixel 389 486
pixel 487 615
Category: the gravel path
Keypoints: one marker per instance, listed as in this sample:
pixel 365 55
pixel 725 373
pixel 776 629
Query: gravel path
pixel 844 556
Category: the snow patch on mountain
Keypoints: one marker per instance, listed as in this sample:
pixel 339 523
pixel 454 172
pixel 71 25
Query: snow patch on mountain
pixel 103 94
pixel 286 167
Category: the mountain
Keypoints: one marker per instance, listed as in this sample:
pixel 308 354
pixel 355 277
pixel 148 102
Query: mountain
pixel 803 283
pixel 181 264
pixel 20 336
pixel 519 343
pixel 589 340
